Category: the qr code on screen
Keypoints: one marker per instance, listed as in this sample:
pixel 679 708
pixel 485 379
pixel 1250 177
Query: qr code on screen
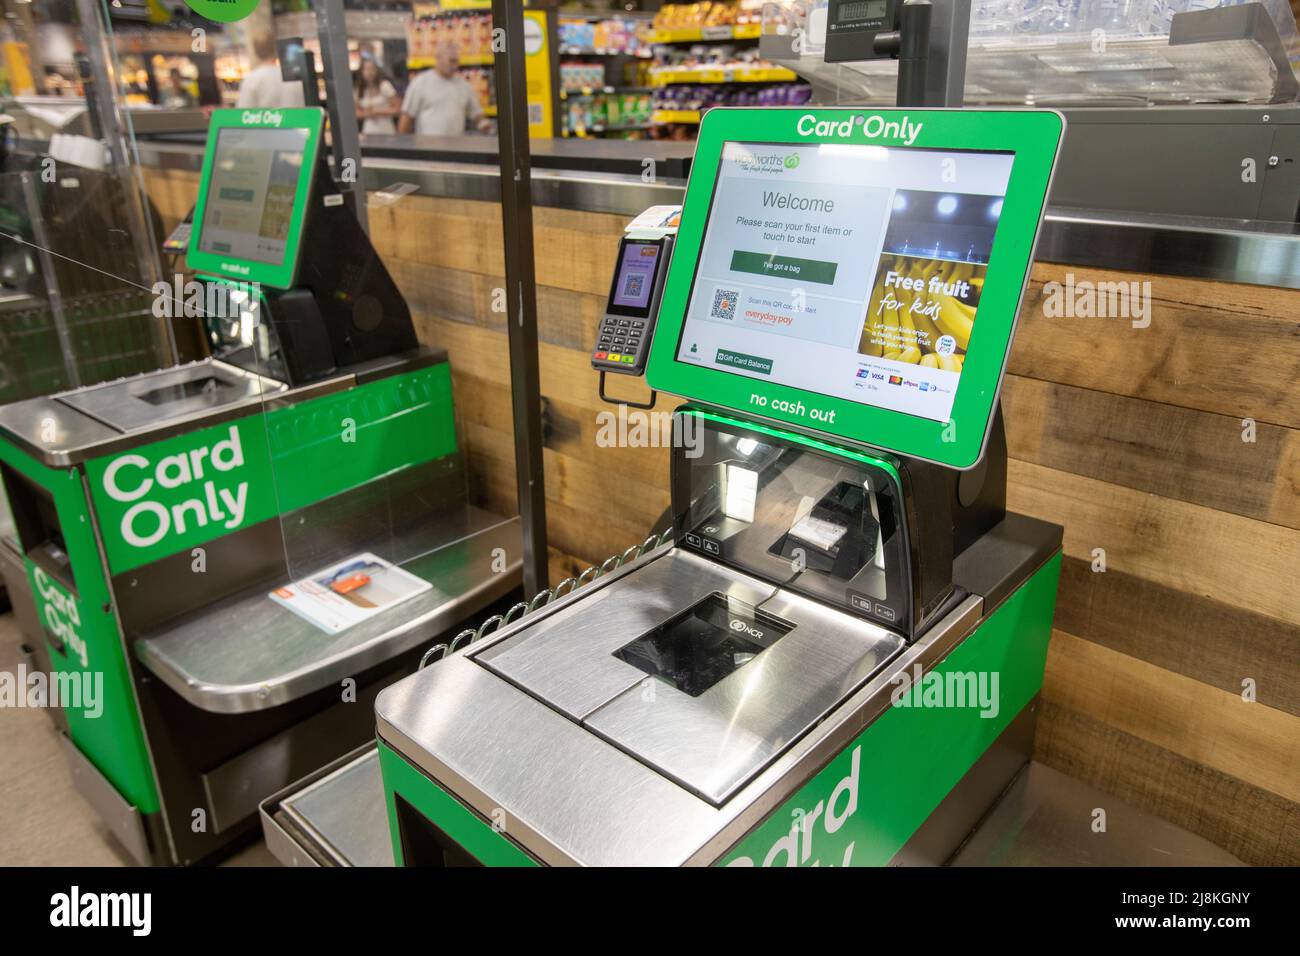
pixel 724 305
pixel 633 286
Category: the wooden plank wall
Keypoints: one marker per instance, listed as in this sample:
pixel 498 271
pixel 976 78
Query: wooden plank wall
pixel 1130 438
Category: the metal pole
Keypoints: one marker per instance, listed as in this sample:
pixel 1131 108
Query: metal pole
pixel 521 288
pixel 949 36
pixel 913 53
pixel 332 32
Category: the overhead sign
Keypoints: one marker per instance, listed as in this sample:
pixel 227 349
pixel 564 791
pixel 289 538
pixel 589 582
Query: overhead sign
pixel 223 11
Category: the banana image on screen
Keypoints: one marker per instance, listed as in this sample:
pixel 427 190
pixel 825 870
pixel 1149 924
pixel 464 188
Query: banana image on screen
pixel 922 311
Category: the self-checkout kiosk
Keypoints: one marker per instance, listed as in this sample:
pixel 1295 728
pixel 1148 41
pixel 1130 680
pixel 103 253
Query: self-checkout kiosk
pixel 838 659
pixel 171 522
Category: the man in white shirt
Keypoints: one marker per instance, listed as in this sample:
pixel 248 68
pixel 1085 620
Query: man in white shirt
pixel 438 102
pixel 263 88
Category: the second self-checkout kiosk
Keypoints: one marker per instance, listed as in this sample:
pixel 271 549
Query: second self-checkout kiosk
pixel 229 558
pixel 838 659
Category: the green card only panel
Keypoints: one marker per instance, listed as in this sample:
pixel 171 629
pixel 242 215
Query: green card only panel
pixel 1027 139
pixel 104 723
pixel 176 494
pixel 869 800
pixel 451 816
pixel 289 221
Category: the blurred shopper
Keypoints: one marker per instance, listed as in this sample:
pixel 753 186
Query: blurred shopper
pixel 263 87
pixel 378 105
pixel 177 97
pixel 439 102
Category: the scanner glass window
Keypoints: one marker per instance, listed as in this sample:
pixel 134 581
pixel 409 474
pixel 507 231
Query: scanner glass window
pixel 824 525
pixel 703 644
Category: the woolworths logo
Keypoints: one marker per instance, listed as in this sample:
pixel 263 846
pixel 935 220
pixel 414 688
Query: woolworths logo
pixel 179 493
pixel 774 163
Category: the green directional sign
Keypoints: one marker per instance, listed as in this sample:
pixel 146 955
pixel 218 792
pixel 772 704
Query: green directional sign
pixel 223 11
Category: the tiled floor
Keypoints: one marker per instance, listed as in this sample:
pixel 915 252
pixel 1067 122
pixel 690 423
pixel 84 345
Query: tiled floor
pixel 43 821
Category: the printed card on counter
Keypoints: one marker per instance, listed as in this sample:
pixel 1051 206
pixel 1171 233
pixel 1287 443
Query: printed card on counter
pixel 349 592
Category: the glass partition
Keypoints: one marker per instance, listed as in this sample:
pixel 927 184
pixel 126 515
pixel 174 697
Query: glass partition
pixel 1072 53
pixel 360 455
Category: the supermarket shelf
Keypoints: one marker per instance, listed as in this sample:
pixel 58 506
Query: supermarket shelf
pixel 696 74
pixel 597 90
pixel 427 62
pixel 360 24
pixel 745 31
pixel 584 51
pixel 617 128
pixel 675 116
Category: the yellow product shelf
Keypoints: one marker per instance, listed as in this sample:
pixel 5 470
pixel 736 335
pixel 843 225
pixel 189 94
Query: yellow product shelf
pixel 469 59
pixel 675 116
pixel 743 31
pixel 740 74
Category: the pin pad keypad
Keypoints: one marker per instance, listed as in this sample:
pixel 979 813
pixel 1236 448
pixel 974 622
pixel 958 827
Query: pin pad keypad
pixel 620 342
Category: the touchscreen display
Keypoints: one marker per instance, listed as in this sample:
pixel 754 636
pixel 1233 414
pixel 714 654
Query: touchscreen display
pixel 847 270
pixel 250 196
pixel 635 280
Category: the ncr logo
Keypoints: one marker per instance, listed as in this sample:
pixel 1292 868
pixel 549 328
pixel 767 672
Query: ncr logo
pixel 73 909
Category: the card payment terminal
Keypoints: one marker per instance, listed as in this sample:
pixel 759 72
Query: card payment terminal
pixel 623 339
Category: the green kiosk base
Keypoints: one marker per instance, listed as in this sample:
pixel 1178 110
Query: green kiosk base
pixel 824 738
pixel 165 520
pixel 838 660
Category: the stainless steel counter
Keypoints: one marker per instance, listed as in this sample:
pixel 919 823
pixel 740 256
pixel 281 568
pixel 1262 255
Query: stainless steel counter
pixel 1227 250
pixel 583 800
pixel 249 653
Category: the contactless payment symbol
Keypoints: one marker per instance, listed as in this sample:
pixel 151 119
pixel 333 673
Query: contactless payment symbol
pixel 223 11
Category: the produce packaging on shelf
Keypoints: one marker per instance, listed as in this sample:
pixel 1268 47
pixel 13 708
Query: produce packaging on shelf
pixel 616 35
pixel 581 75
pixel 470 31
pixel 480 81
pixel 616 111
pixel 699 98
pixel 685 16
